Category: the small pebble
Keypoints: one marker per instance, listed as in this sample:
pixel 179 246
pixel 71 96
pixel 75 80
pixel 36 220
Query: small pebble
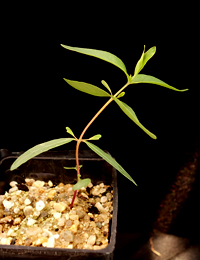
pixel 70 246
pixel 13 184
pixel 31 221
pixel 73 217
pixel 6 241
pixel 68 236
pixel 70 189
pixel 27 242
pixel 17 221
pixel 16 210
pixel 50 183
pixel 80 213
pixel 95 191
pixel 41 240
pixel 40 205
pixel 74 228
pixel 32 231
pixel 57 215
pixel 43 214
pixel 61 206
pixel 10 231
pixel 66 216
pixel 103 199
pixel 109 196
pixel 84 195
pixel 99 206
pixel 78 239
pixel 51 194
pixel 102 190
pixel 98 224
pixel 36 213
pixel 28 210
pixel 91 240
pixel 38 184
pixel 8 204
pixel 18 192
pixel 15 188
pixel 61 222
pixel 29 182
pixel 27 202
pixel 50 242
pixel 90 185
pixel 69 223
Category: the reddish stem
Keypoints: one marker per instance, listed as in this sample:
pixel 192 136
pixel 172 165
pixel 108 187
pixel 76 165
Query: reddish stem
pixel 71 205
pixel 78 173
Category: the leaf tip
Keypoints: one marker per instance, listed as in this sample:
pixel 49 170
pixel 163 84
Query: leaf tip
pixel 95 137
pixel 12 168
pixel 153 136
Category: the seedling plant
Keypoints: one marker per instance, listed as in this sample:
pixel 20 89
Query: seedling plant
pixel 96 91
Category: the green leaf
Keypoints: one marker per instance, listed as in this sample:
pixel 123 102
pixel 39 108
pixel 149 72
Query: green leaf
pixel 72 168
pixel 121 94
pixel 87 88
pixel 142 78
pixel 131 114
pixel 38 149
pixel 144 58
pixel 70 131
pixel 106 85
pixel 103 55
pixel 110 160
pixel 81 183
pixel 95 137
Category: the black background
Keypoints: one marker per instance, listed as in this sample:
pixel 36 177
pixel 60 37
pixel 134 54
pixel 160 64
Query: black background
pixel 37 105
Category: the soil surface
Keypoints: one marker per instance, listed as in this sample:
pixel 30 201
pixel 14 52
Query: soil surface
pixel 40 215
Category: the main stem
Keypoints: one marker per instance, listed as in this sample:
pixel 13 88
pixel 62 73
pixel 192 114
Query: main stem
pixel 85 129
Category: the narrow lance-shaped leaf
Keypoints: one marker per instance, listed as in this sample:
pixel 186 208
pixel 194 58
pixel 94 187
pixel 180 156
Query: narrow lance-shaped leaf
pixel 87 88
pixel 142 78
pixel 69 131
pixel 106 85
pixel 144 58
pixel 131 114
pixel 38 149
pixel 109 159
pixel 73 168
pixel 103 55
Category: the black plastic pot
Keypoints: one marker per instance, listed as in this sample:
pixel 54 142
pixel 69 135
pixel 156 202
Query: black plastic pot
pixel 49 166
